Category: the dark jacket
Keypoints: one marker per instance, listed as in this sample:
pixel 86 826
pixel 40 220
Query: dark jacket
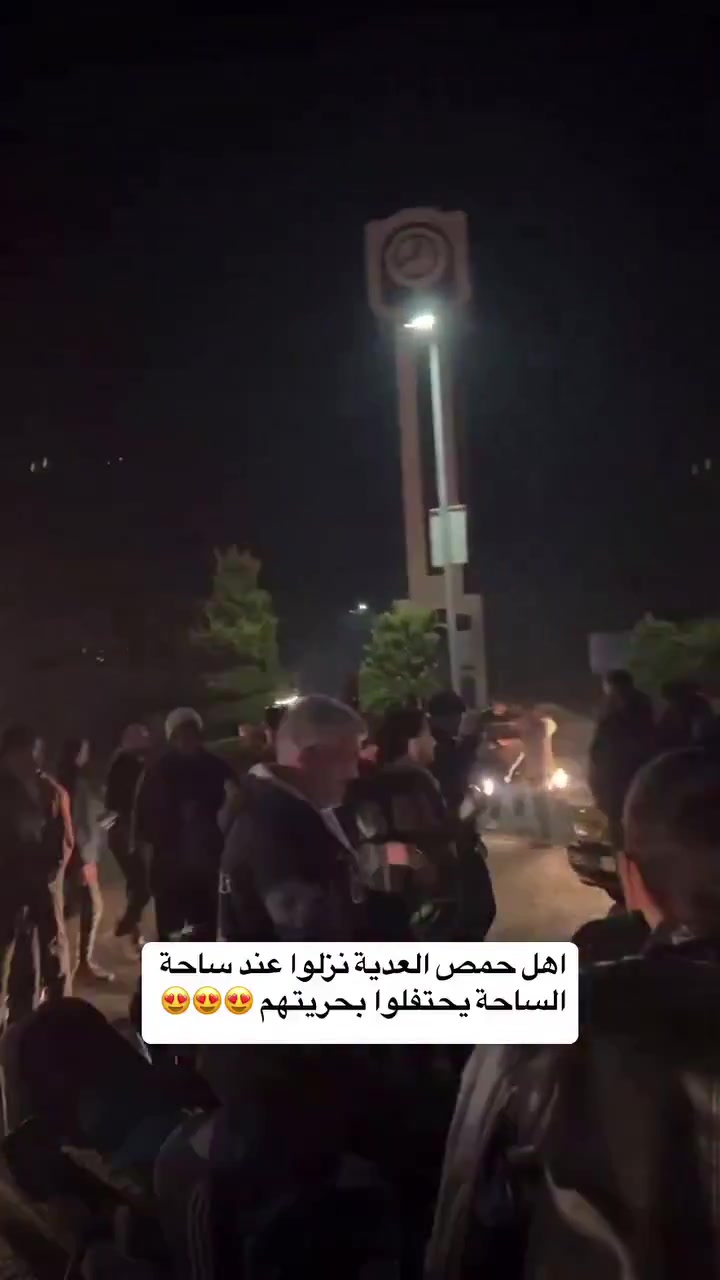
pixel 122 780
pixel 285 875
pixel 452 764
pixel 402 803
pixel 685 723
pixel 625 739
pixel 178 801
pixel 597 1159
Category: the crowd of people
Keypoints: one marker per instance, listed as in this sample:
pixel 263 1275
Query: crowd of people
pixel 598 1158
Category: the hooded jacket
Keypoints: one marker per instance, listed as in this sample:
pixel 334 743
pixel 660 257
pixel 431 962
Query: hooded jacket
pixel 599 1159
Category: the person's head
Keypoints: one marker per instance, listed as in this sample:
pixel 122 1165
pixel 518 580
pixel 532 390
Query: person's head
pixel 619 687
pixel 184 730
pixel 446 711
pixel 17 750
pixel 320 739
pixel 274 715
pixel 670 869
pixel 136 738
pixel 405 735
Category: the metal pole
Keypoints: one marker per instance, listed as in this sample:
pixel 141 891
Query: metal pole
pixel 443 512
pixel 411 465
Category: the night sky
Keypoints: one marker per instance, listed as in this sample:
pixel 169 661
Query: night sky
pixel 183 289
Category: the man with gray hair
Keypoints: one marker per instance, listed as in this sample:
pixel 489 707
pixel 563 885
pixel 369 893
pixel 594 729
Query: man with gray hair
pixel 288 869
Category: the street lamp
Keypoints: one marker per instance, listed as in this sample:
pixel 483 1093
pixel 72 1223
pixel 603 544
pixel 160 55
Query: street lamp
pixel 425 322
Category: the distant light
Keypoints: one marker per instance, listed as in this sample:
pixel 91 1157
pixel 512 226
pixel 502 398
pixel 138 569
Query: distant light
pixel 121 459
pixel 488 786
pixel 33 466
pixel 361 607
pixel 45 464
pixel 559 780
pixel 422 323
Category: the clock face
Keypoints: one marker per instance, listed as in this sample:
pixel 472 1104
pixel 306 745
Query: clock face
pixel 416 257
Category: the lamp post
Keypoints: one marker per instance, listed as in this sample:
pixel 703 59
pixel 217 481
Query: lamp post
pixel 426 322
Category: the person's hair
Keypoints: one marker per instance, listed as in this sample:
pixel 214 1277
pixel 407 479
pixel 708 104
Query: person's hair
pixel 315 720
pixel 446 704
pixel 17 737
pixel 620 680
pixel 183 718
pixel 398 727
pixel 274 716
pixel 67 767
pixel 672 821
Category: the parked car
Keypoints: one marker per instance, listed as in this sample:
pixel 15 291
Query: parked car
pixel 590 854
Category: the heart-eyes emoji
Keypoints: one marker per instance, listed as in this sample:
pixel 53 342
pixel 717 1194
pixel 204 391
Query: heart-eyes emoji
pixel 207 1000
pixel 175 1000
pixel 238 1000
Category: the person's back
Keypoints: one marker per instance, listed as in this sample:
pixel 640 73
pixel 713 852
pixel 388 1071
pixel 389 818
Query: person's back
pixel 641 1087
pixel 625 739
pixel 599 1159
pixel 453 754
pixel 686 719
pixel 177 820
pixel 123 776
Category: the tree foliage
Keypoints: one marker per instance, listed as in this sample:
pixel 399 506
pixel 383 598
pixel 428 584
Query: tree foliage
pixel 661 651
pixel 238 641
pixel 401 660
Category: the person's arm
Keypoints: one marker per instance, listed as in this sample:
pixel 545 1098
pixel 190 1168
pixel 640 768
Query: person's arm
pixel 501 1108
pixel 68 833
pixel 113 785
pixel 141 826
pixel 82 819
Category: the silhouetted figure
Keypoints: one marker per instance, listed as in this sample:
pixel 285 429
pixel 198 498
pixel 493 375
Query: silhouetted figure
pixel 82 878
pixel 625 739
pixel 126 769
pixel 686 718
pixel 179 800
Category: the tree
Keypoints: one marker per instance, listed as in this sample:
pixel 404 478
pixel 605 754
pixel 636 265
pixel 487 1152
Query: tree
pixel 661 651
pixel 238 641
pixel 400 666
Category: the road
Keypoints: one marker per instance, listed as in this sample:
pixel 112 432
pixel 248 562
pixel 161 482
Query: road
pixel 538 898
